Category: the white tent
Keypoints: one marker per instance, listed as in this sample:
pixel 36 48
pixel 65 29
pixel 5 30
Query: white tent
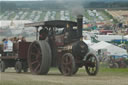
pixel 109 37
pixel 126 36
pixel 88 42
pixel 14 23
pixel 111 49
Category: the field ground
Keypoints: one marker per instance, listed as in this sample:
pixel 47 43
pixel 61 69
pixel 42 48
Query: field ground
pixel 120 15
pixel 105 77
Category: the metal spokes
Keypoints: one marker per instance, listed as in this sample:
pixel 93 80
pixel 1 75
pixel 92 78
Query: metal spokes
pixel 91 65
pixel 67 64
pixel 35 57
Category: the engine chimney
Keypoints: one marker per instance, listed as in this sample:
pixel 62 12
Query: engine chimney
pixel 80 25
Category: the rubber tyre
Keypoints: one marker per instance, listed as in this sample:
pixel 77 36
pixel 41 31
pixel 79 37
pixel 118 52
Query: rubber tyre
pixel 25 70
pixel 74 72
pixel 2 66
pixel 64 68
pixel 97 65
pixel 25 67
pixel 45 57
pixel 18 66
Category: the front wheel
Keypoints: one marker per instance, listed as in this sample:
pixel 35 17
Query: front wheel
pixel 74 71
pixel 25 69
pixel 67 64
pixel 92 64
pixel 18 66
pixel 2 66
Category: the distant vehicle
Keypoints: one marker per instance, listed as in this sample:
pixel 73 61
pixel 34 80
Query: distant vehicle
pixel 16 58
pixel 105 32
pixel 118 61
pixel 111 34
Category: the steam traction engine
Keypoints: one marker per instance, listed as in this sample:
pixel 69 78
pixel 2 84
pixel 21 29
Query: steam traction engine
pixel 60 45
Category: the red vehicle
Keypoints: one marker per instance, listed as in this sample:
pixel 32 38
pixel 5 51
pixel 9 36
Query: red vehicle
pixel 118 62
pixel 17 58
pixel 105 32
pixel 59 44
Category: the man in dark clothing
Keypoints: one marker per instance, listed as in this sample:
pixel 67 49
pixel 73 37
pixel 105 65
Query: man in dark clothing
pixel 43 34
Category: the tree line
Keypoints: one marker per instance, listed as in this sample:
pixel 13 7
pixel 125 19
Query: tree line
pixel 4 5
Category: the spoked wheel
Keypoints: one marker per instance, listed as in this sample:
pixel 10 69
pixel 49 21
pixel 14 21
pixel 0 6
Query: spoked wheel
pixel 18 66
pixel 92 64
pixel 25 69
pixel 67 64
pixel 39 57
pixel 113 65
pixel 2 66
pixel 74 72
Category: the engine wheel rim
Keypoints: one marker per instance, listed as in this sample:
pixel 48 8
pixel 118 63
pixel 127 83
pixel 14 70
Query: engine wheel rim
pixel 2 66
pixel 35 58
pixel 67 65
pixel 91 65
pixel 18 67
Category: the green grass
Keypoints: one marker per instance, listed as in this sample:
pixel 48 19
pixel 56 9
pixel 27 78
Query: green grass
pixel 72 18
pixel 103 15
pixel 12 16
pixel 106 76
pixel 110 70
pixel 42 16
pixel 58 15
pixel 115 70
pixel 87 15
pixel 28 15
pixel 110 16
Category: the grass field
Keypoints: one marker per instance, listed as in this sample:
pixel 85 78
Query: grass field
pixel 57 15
pixel 105 77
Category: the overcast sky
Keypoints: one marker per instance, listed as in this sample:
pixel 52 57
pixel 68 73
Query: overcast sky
pixel 21 0
pixel 62 0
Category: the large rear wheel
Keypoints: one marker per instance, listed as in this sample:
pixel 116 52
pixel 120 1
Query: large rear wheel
pixel 39 57
pixel 92 64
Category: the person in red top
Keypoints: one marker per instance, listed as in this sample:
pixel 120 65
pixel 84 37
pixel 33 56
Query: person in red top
pixel 43 34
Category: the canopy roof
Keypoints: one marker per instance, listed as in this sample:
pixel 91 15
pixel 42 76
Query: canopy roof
pixel 53 23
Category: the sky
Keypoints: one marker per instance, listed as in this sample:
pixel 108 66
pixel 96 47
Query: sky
pixel 62 0
pixel 21 0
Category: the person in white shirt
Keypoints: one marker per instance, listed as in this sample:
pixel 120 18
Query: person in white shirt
pixel 8 46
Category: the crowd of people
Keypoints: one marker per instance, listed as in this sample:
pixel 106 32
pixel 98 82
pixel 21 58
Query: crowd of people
pixel 9 42
pixel 14 39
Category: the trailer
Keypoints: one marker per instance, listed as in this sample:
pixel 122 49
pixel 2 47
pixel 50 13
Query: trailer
pixel 17 58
